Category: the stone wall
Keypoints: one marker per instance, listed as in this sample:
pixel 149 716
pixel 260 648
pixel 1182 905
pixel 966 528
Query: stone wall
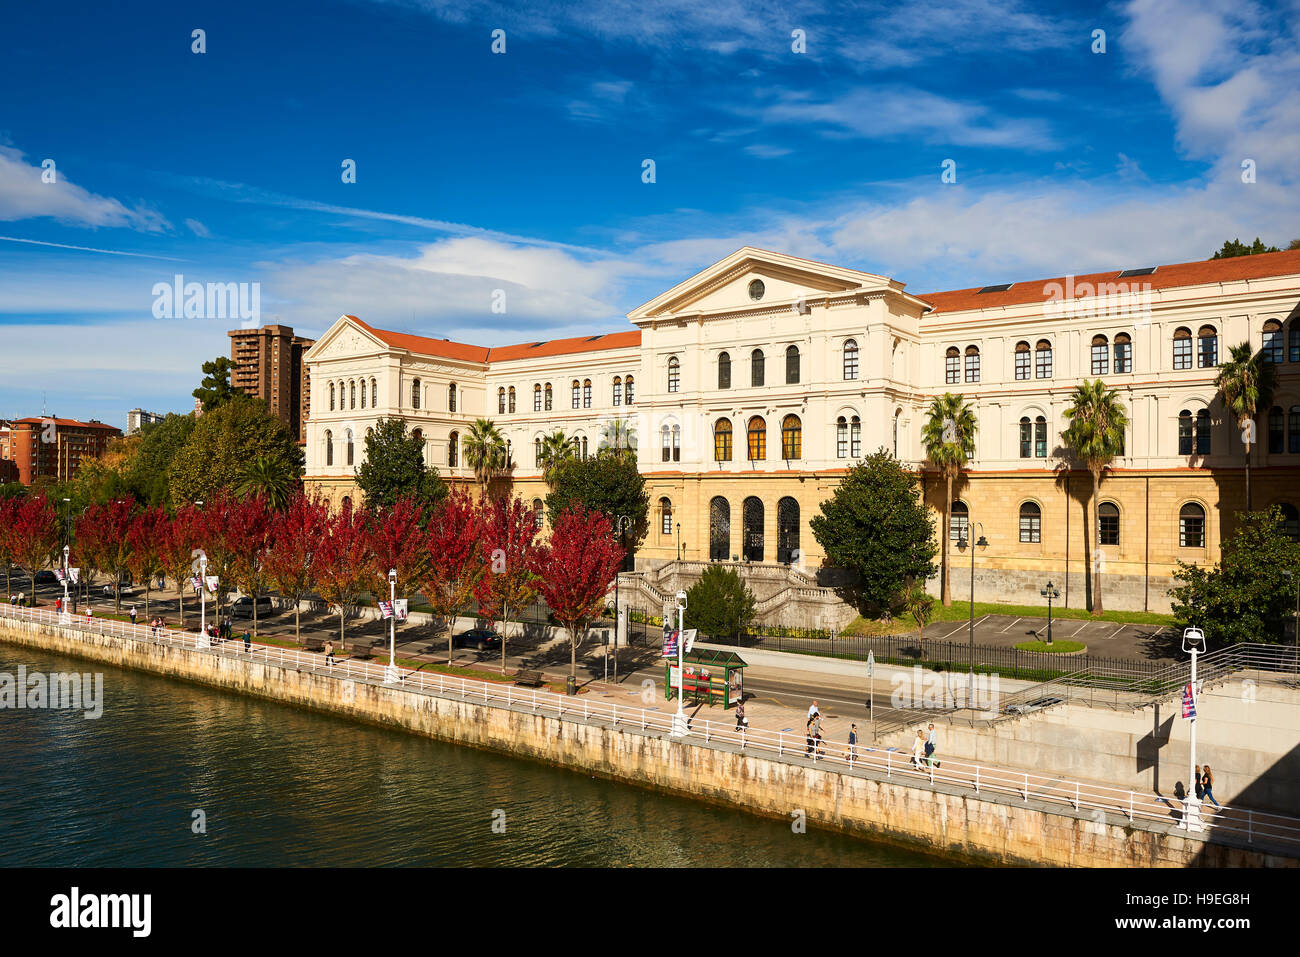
pixel 979 827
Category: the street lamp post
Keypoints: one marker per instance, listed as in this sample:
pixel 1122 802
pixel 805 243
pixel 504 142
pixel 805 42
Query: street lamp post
pixel 390 673
pixel 621 524
pixel 1296 578
pixel 962 541
pixel 65 617
pixel 203 602
pixel 679 541
pixel 680 729
pixel 1193 643
pixel 1049 591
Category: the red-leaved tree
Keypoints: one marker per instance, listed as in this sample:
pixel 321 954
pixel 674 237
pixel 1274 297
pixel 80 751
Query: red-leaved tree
pixel 581 561
pixel 397 544
pixel 148 533
pixel 178 551
pixel 455 564
pixel 109 526
pixel 296 535
pixel 247 532
pixel 8 541
pixel 511 573
pixel 218 541
pixel 342 561
pixel 35 533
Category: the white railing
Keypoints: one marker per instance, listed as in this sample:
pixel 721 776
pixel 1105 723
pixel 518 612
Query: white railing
pixel 1137 809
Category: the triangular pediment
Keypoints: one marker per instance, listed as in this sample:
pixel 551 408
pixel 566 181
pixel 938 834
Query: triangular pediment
pixel 347 338
pixel 757 279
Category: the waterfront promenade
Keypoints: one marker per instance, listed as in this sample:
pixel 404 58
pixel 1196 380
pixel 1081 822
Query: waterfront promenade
pixel 776 734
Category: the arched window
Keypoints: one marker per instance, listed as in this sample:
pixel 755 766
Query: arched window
pixel 1272 346
pixel 501 401
pixel 1203 432
pixel 1043 360
pixel 352 395
pixel 665 517
pixel 1290 521
pixel 666 443
pixel 575 390
pixel 363 393
pixel 415 393
pixel 1108 523
pixel 724 370
pixel 787 530
pixel 618 390
pixel 674 374
pixel 855 437
pixel 586 393
pixel 539 511
pixel 511 396
pixel 1040 437
pixel 331 396
pixel 374 393
pixel 1022 360
pixel 1100 355
pixel 719 529
pixel 791 365
pixel 584 448
pixel 791 438
pixel 1026 437
pixel 549 396
pixel 841 438
pixel 1207 352
pixel 1123 353
pixel 952 366
pixel 329 447
pixel 629 391
pixel 453 450
pixel 1182 348
pixel 537 453
pixel 751 517
pixel 350 446
pixel 756 366
pixel 972 364
pixel 1191 526
pixel 451 397
pixel 1293 429
pixel 677 443
pixel 850 359
pixel 537 397
pixel 757 432
pixel 898 419
pixel 347 503
pixel 959 522
pixel 1186 435
pixel 1276 431
pixel 722 440
pixel 1031 523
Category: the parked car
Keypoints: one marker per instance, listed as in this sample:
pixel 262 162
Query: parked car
pixel 243 607
pixel 480 639
pixel 46 577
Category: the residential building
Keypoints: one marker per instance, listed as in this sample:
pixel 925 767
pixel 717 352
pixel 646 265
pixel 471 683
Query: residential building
pixel 137 419
pixel 52 447
pixel 267 363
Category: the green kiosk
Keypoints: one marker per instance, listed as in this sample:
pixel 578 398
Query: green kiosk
pixel 712 677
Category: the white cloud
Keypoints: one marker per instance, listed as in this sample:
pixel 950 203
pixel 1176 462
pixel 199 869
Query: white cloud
pixel 198 229
pixel 764 151
pixel 23 195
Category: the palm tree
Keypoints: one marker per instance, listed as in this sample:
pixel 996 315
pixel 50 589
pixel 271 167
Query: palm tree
pixel 918 604
pixel 1095 436
pixel 1246 382
pixel 949 440
pixel 618 437
pixel 485 451
pixel 556 447
pixel 270 477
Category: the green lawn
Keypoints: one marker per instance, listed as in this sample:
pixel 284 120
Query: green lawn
pixel 960 611
pixel 1056 647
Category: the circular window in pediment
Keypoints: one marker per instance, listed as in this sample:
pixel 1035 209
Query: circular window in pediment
pixel 756 290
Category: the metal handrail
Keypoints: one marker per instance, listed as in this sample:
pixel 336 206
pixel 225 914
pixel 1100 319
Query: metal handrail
pixel 1101 800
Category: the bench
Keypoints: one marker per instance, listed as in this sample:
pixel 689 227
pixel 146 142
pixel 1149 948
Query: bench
pixel 313 644
pixel 530 676
pixel 360 649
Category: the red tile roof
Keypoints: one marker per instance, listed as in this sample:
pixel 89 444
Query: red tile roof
pixel 65 423
pixel 461 350
pixel 1259 266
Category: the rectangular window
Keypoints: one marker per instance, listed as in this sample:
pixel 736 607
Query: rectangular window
pixel 1100 359
pixel 958 526
pixel 1043 364
pixel 842 440
pixel 1191 531
pixel 537 400
pixel 1293 349
pixel 630 396
pixel 1209 352
pixel 1031 528
pixel 576 395
pixel 952 369
pixel 1026 439
pixel 1183 353
pixel 1022 365
pixel 667 526
pixel 855 431
pixel 1203 434
pixel 586 395
pixel 973 368
pixel 1123 357
pixel 674 378
pixel 1276 434
pixel 1108 529
pixel 618 393
pixel 1040 439
pixel 1273 346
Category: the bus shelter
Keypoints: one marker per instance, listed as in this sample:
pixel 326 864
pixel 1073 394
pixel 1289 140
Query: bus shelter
pixel 711 677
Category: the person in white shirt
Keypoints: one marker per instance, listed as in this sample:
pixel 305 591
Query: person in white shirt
pixel 813 709
pixel 931 742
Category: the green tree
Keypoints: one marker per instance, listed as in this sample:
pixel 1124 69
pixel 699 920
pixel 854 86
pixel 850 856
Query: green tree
pixel 606 484
pixel 394 467
pixel 1247 383
pixel 618 438
pixel 1295 244
pixel 949 441
pixel 215 389
pixel 160 442
pixel 720 604
pixel 556 448
pixel 1247 596
pixel 877 528
pixel 485 452
pixel 224 441
pixel 1235 247
pixel 1095 436
pixel 271 478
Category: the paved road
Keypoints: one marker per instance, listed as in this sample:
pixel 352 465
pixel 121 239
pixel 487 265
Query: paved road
pixel 1108 638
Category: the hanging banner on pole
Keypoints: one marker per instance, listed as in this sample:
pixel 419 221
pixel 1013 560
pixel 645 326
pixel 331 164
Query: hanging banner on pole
pixel 386 609
pixel 74 574
pixel 399 609
pixel 670 644
pixel 212 583
pixel 1189 702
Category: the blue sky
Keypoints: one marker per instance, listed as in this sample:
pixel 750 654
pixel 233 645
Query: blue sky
pixel 522 171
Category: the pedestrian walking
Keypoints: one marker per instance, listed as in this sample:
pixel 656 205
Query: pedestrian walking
pixel 918 749
pixel 329 652
pixel 813 710
pixel 58 605
pixel 853 743
pixel 133 614
pixel 1200 789
pixel 740 715
pixel 809 738
pixel 1207 786
pixel 247 642
pixel 817 737
pixel 931 743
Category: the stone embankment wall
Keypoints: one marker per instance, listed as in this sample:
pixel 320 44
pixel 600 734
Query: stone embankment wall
pixel 980 828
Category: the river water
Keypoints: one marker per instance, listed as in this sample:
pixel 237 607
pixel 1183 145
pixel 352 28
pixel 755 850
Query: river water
pixel 280 786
